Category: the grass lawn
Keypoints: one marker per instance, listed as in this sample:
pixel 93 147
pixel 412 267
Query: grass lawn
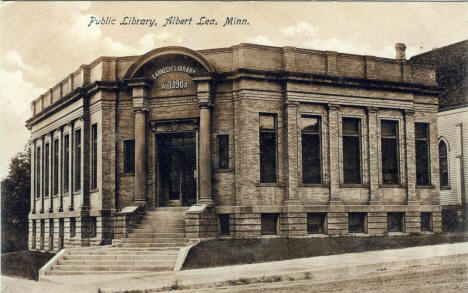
pixel 24 263
pixel 222 252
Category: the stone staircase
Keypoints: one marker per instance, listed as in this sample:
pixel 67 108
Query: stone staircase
pixel 153 245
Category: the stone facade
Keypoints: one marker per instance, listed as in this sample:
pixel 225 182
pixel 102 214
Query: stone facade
pixel 179 95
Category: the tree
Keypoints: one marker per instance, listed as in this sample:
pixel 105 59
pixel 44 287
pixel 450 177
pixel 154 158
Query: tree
pixel 15 200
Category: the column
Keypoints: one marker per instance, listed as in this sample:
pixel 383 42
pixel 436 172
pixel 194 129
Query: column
pixel 51 166
pixel 410 158
pixel 33 177
pixel 205 154
pixel 139 92
pixel 60 170
pixel 41 178
pixel 373 154
pixel 291 152
pixel 71 165
pixel 333 146
pixel 140 156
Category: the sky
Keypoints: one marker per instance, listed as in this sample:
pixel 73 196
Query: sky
pixel 42 42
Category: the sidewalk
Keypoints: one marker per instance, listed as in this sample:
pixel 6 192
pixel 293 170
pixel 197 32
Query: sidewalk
pixel 319 268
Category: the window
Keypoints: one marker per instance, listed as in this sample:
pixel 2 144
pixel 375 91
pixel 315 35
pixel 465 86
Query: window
pixel 61 232
pixel 395 222
pixel 356 222
pixel 93 227
pixel 269 224
pixel 426 222
pixel 46 169
pixel 267 148
pixel 66 163
pixel 72 227
pixel 33 242
pixel 129 156
pixel 316 223
pixel 351 151
pixel 56 166
pixel 422 153
pixel 77 159
pixel 37 176
pixel 51 234
pixel 443 164
pixel 224 224
pixel 41 243
pixel 311 150
pixel 223 151
pixel 389 145
pixel 94 156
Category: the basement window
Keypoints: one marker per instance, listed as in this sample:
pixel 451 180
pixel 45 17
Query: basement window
pixel 72 227
pixel 224 224
pixel 316 223
pixel 356 222
pixel 395 222
pixel 426 222
pixel 93 227
pixel 269 224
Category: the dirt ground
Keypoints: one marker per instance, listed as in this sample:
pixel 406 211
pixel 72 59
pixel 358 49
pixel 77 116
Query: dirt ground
pixel 446 278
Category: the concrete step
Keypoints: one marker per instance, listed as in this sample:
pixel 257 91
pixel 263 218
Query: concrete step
pixel 121 257
pixel 134 263
pixel 155 240
pixel 130 251
pixel 159 230
pixel 128 268
pixel 147 245
pixel 156 235
pixel 63 273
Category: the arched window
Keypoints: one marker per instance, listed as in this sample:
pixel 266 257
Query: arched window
pixel 443 163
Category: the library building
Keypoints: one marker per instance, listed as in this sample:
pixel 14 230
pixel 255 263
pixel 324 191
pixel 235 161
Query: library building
pixel 247 141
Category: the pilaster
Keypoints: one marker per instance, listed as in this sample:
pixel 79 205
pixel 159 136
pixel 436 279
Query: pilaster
pixel 373 155
pixel 333 150
pixel 411 197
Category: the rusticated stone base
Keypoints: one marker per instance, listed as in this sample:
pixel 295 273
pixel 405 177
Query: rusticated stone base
pixel 200 223
pixel 337 224
pixel 246 225
pixel 293 224
pixel 377 223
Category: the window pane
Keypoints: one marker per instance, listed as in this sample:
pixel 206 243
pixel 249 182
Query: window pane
pixel 267 122
pixel 129 156
pixel 94 156
pixel 422 162
pixel 389 128
pixel 443 162
pixel 421 130
pixel 311 124
pixel 267 157
pixel 351 126
pixel 351 160
pixel 77 160
pixel 66 162
pixel 46 170
pixel 389 161
pixel 56 165
pixel 223 151
pixel 38 171
pixel 311 158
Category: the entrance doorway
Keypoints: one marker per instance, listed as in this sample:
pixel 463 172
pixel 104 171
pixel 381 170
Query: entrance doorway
pixel 177 165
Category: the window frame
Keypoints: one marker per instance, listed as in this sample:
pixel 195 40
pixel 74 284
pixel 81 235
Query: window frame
pixel 55 166
pixel 94 156
pixel 66 162
pixel 38 172
pixel 274 131
pixel 218 137
pixel 77 147
pixel 319 134
pixel 46 176
pixel 426 139
pixel 360 159
pixel 125 161
pixel 398 151
pixel 447 151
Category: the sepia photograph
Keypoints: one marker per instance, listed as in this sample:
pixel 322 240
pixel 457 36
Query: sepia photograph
pixel 215 146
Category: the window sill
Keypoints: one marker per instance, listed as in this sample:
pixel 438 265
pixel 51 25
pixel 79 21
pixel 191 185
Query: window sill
pixel 324 185
pixel 66 194
pixel 128 174
pixel 269 185
pixel 425 186
pixel 94 190
pixel 227 170
pixel 391 186
pixel 445 188
pixel 354 185
pixel 76 192
pixel 317 235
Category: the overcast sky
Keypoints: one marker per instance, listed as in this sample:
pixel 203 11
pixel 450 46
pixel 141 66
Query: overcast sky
pixel 43 42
